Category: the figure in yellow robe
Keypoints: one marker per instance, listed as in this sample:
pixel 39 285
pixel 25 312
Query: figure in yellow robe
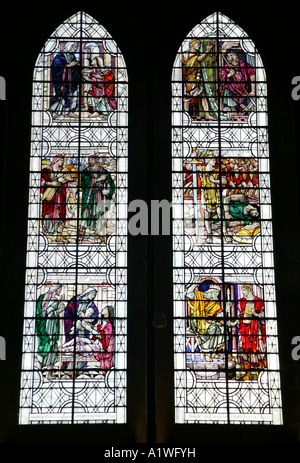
pixel 205 311
pixel 195 95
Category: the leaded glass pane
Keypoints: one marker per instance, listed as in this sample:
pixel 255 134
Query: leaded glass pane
pixel 74 350
pixel 225 329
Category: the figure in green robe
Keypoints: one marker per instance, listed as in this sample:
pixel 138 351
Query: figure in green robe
pixel 47 328
pixel 97 188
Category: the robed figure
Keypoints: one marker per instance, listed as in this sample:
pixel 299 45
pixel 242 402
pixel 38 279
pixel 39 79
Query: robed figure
pixel 106 332
pixel 97 188
pixel 238 85
pixel 65 74
pixel 53 195
pixel 205 312
pixel 48 308
pixel 252 332
pixel 101 99
pixel 80 306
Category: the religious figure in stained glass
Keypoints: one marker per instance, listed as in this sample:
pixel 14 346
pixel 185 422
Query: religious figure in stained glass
pixel 238 83
pixel 97 191
pixel 49 307
pixel 196 95
pixel 251 332
pixel 205 316
pixel 53 196
pixel 226 354
pixel 100 98
pixel 65 73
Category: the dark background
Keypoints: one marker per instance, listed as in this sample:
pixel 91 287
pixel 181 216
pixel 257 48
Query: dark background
pixel 149 36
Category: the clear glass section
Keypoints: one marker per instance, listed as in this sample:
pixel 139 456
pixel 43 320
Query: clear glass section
pixel 225 329
pixel 74 349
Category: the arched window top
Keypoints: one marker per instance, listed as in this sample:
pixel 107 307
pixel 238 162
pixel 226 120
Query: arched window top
pixel 226 346
pixel 74 354
pixel 219 41
pixel 95 41
pixel 82 39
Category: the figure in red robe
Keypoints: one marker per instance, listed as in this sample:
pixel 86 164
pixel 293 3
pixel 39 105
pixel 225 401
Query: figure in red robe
pixel 252 332
pixel 238 85
pixel 101 99
pixel 106 330
pixel 53 194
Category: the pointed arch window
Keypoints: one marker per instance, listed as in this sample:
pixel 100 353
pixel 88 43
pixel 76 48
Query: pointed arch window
pixel 74 350
pixel 226 346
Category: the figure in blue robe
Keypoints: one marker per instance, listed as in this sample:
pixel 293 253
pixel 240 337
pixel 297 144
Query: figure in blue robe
pixel 79 304
pixel 65 74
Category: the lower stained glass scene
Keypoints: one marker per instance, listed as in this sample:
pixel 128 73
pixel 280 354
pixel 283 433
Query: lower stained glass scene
pixel 225 328
pixel 74 344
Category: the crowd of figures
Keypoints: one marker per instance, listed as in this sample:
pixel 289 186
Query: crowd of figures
pixel 73 337
pixel 222 192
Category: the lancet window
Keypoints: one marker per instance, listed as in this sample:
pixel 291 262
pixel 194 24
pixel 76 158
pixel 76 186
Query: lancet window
pixel 225 328
pixel 74 349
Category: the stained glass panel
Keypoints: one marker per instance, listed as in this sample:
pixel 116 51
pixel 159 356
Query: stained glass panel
pixel 225 329
pixel 74 350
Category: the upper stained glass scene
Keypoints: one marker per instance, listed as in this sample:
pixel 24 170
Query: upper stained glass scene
pixel 219 79
pixel 226 346
pixel 74 351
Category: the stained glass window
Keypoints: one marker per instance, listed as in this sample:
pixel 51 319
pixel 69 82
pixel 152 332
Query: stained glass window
pixel 74 349
pixel 225 329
